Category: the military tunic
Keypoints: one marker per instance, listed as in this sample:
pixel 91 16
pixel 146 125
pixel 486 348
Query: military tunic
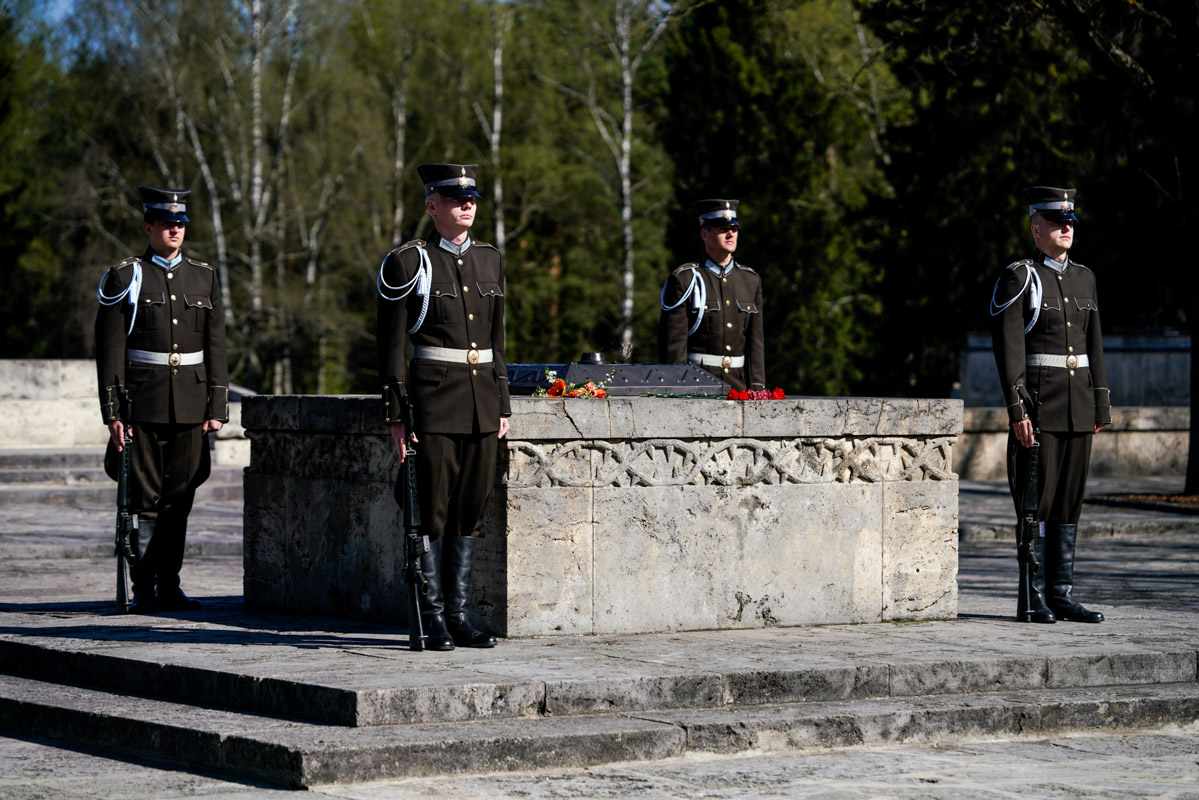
pixel 456 406
pixel 731 325
pixel 1071 399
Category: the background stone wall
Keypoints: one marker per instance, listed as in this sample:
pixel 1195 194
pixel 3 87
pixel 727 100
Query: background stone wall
pixel 628 514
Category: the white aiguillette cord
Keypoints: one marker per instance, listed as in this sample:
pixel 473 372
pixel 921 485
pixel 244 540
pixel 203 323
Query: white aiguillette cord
pixel 421 282
pixel 1034 297
pixel 698 290
pixel 132 291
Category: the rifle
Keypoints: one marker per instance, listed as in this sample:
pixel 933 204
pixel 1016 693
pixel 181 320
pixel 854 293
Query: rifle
pixel 415 545
pixel 126 520
pixel 1027 527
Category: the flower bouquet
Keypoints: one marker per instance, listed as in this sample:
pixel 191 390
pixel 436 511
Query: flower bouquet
pixel 560 388
pixel 756 394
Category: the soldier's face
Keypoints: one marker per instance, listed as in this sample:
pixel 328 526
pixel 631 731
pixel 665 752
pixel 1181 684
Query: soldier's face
pixel 451 213
pixel 720 242
pixel 1052 237
pixel 165 237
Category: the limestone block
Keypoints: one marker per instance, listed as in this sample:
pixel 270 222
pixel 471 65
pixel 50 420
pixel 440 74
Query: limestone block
pixel 231 453
pixel 270 412
pixel 920 550
pixel 43 423
pixel 690 557
pixel 548 570
pixel 29 379
pixel 77 379
pixel 981 456
pixel 87 427
pixel 1147 452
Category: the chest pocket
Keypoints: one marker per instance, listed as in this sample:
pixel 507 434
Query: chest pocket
pixel 443 302
pixel 151 312
pixel 198 307
pixel 490 290
pixel 1086 304
pixel 1051 304
pixel 747 307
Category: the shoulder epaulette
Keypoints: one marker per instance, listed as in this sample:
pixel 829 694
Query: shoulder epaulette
pixel 747 269
pixel 677 270
pixel 473 243
pixel 409 245
pixel 126 262
pixel 1022 262
pixel 1074 263
pixel 196 263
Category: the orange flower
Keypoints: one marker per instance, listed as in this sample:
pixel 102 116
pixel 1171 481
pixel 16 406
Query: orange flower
pixel 558 389
pixel 600 393
pixel 573 393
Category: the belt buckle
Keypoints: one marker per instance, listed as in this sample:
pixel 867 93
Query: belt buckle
pixel 1071 361
pixel 472 356
pixel 174 359
pixel 726 361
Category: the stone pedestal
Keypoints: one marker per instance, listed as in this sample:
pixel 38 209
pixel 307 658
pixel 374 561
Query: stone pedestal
pixel 627 515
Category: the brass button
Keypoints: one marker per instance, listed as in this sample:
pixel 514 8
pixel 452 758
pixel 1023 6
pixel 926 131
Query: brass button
pixel 726 302
pixel 1059 277
pixel 170 276
pixel 438 292
pixel 728 324
pixel 1071 349
pixel 1071 372
pixel 387 419
pixel 1067 299
pixel 147 299
pixel 459 262
pixel 466 288
pixel 174 322
pixel 726 369
pixel 174 347
pixel 176 372
pixel 1068 325
pixel 172 297
pixel 470 316
pixel 474 372
pixel 386 402
pixel 1046 305
pixel 472 344
pixel 725 280
pixel 728 347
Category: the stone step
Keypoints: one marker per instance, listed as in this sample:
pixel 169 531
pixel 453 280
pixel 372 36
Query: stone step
pixel 304 754
pixel 68 476
pixel 17 457
pixel 224 484
pixel 250 679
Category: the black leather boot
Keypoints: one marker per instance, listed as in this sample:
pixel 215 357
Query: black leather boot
pixel 432 603
pixel 458 554
pixel 1061 575
pixel 172 535
pixel 141 571
pixel 1031 605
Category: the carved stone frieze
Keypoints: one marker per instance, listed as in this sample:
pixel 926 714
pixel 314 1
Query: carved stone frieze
pixel 730 462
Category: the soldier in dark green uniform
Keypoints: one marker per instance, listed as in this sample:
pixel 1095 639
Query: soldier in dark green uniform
pixel 446 295
pixel 1049 350
pixel 712 310
pixel 160 334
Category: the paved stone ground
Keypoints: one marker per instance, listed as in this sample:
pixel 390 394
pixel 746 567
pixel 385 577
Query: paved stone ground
pixel 1145 575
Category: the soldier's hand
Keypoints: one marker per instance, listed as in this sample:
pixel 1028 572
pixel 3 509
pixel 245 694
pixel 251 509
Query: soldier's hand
pixel 211 426
pixel 504 425
pixel 1023 431
pixel 400 437
pixel 116 430
pixel 1099 426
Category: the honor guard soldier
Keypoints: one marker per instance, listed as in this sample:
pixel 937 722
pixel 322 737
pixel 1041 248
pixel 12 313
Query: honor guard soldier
pixel 160 336
pixel 446 296
pixel 1049 350
pixel 712 310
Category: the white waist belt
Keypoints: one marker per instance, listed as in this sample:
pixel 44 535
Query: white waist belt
pixel 705 360
pixel 1062 362
pixel 452 356
pixel 165 359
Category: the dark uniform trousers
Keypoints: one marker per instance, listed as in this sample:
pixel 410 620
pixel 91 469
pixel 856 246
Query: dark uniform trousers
pixel 456 406
pixel 179 311
pixel 1062 466
pixel 731 326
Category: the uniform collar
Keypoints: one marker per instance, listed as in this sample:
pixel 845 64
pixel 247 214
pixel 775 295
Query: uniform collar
pixel 1057 266
pixel 716 269
pixel 445 244
pixel 162 262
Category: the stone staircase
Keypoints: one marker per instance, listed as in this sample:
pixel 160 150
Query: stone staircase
pixel 261 697
pixel 75 475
